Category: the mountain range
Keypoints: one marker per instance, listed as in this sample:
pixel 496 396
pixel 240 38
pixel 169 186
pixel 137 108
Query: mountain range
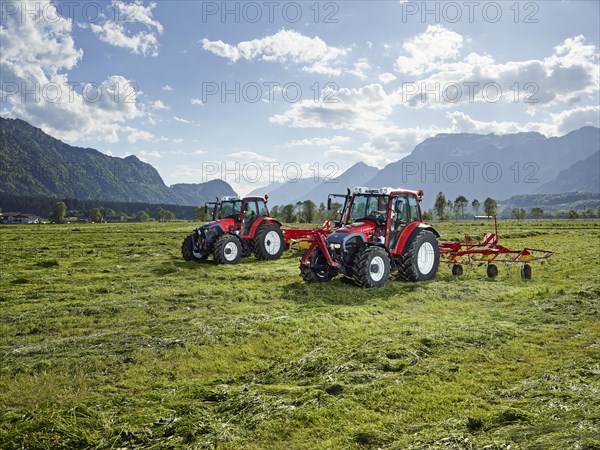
pixel 473 165
pixel 33 163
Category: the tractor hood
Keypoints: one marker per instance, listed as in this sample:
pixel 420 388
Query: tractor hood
pixel 362 229
pixel 224 224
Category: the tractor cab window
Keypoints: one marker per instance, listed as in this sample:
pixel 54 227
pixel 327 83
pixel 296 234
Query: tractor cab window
pixel 251 212
pixel 262 208
pixel 372 207
pixel 413 207
pixel 231 208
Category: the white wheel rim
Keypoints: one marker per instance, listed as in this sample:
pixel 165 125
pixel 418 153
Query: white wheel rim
pixel 377 268
pixel 272 242
pixel 425 258
pixel 230 251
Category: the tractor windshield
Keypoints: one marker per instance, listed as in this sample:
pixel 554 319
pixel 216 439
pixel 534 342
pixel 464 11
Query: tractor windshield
pixel 365 206
pixel 231 208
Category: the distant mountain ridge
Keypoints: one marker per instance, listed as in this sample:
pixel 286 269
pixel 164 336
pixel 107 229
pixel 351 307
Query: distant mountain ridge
pixel 477 166
pixel 35 164
pixel 497 166
pixel 474 165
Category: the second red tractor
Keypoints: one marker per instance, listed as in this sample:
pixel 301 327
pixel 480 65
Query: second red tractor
pixel 239 227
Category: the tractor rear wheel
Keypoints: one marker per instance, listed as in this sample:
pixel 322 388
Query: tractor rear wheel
pixel 318 271
pixel 269 242
pixel 189 252
pixel 372 267
pixel 228 250
pixel 421 260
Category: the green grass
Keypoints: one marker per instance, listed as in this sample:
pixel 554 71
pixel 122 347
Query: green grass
pixel 108 339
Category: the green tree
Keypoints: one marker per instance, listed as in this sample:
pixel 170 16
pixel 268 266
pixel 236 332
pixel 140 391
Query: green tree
pixel 202 214
pixel 321 212
pixel 518 213
pixel 588 213
pixel 163 215
pixel 58 212
pixel 572 214
pixel 96 214
pixel 440 205
pixel 490 206
pixel 475 205
pixel 308 211
pixel 275 211
pixel 142 216
pixel 449 206
pixel 598 211
pixel 333 214
pixel 536 213
pixel 459 205
pixel 287 214
pixel 109 212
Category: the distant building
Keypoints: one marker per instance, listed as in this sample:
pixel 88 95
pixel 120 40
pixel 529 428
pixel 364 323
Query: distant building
pixel 18 218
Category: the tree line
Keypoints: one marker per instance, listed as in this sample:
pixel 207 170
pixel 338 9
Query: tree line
pixel 87 209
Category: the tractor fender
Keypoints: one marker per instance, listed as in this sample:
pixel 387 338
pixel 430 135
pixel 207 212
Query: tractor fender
pixel 263 221
pixel 409 233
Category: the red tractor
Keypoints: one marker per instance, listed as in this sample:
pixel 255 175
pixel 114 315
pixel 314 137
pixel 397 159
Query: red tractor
pixel 380 230
pixel 239 227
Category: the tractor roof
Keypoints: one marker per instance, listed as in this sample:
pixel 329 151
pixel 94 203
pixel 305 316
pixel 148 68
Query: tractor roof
pixel 386 191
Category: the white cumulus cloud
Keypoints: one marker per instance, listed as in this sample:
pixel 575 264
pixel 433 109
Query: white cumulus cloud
pixel 114 32
pixel 285 46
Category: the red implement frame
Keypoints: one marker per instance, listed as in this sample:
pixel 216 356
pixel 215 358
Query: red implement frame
pixel 293 235
pixel 489 251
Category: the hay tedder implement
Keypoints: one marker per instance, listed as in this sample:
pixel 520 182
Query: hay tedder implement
pixel 489 252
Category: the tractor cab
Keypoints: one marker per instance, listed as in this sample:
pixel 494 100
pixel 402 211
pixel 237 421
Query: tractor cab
pixel 380 214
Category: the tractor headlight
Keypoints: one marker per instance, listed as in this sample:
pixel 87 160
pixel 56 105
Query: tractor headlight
pixel 335 245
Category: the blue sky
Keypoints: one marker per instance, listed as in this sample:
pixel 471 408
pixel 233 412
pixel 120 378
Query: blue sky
pixel 317 82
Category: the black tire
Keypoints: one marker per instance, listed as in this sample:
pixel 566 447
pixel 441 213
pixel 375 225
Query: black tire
pixel 492 270
pixel 372 267
pixel 228 250
pixel 410 268
pixel 188 252
pixel 269 242
pixel 318 271
pixel 526 272
pixel 457 270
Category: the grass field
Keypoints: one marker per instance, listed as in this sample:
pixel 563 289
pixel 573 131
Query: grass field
pixel 108 339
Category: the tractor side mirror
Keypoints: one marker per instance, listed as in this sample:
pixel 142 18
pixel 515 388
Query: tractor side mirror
pixel 329 204
pixel 399 206
pixel 205 209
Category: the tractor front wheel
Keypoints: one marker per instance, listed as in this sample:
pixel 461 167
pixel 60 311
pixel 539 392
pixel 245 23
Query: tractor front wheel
pixel 372 267
pixel 228 250
pixel 319 270
pixel 421 260
pixel 189 252
pixel 269 242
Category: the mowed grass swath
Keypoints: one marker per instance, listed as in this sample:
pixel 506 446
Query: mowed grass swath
pixel 109 339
